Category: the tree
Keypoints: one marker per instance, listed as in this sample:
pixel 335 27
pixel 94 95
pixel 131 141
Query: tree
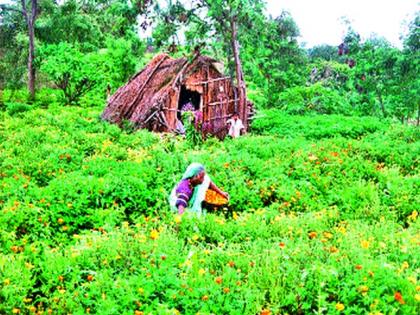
pixel 13 41
pixel 412 39
pixel 277 62
pixel 220 21
pixel 410 65
pixel 29 10
pixel 325 52
pixel 72 71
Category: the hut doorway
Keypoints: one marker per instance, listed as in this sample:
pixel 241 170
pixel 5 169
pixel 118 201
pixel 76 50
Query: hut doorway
pixel 187 96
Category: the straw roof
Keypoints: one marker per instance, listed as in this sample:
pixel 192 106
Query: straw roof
pixel 150 90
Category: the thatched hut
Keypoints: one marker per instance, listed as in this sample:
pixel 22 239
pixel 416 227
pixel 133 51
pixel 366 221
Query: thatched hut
pixel 154 97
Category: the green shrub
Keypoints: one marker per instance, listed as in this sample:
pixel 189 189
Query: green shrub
pixel 14 108
pixel 314 98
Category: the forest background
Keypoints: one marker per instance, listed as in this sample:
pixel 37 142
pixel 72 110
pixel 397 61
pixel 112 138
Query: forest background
pixel 71 38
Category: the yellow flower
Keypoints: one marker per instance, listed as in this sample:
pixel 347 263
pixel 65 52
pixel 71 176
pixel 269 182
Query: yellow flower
pixel 342 230
pixel 177 219
pixel 29 265
pixel 417 297
pixel 195 237
pixel 187 263
pixel 339 307
pixel 363 289
pixel 154 234
pixel 201 272
pixel 413 216
pixel 328 235
pixel 235 216
pixel 405 265
pixel 364 244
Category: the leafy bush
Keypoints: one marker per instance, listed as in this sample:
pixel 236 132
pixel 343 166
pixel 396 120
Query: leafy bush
pixel 276 122
pixel 16 108
pixel 314 98
pixel 72 71
pixel 77 73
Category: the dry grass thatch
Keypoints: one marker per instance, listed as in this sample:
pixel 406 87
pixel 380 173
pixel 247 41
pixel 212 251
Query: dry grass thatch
pixel 151 99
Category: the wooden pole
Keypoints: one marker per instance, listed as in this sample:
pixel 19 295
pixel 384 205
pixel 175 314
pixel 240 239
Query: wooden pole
pixel 242 108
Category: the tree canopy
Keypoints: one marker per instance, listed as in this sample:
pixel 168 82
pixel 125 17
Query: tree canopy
pixel 262 54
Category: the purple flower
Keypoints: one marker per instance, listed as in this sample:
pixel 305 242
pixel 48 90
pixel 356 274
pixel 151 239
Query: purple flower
pixel 187 107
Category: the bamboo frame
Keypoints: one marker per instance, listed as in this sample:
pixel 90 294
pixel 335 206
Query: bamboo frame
pixel 210 81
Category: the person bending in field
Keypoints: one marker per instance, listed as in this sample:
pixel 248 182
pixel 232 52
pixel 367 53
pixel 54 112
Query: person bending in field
pixel 191 190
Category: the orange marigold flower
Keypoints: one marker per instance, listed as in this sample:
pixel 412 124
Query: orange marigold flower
pixel 399 298
pixel 333 249
pixel 282 245
pixel 218 280
pixel 89 278
pixel 226 290
pixel 358 267
pixel 231 264
pixel 312 235
pixel 205 298
pixel 265 312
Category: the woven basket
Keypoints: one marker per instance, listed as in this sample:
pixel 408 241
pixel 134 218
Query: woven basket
pixel 214 198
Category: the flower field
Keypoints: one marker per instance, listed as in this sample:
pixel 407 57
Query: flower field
pixel 323 218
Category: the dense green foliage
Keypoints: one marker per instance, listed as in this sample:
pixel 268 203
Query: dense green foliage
pixel 323 215
pixel 368 78
pixel 324 189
